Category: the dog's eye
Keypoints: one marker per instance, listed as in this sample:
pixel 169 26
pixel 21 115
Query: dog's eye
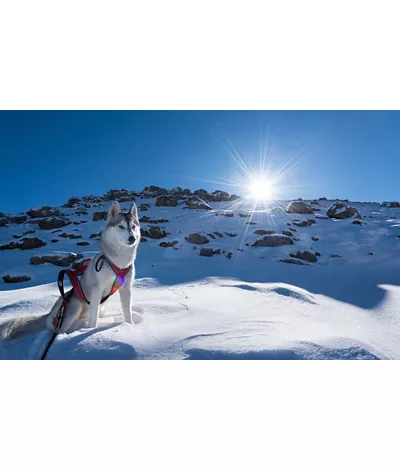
pixel 121 227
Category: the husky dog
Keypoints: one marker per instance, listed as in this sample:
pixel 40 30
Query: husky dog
pixel 119 244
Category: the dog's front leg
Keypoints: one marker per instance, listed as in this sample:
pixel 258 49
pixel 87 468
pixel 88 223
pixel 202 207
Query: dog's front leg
pixel 95 299
pixel 125 294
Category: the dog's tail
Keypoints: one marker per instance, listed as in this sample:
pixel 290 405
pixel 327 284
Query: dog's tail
pixel 15 327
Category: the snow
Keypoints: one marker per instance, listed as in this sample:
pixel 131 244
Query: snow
pixel 345 306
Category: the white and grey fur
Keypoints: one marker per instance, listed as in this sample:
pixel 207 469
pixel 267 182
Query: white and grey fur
pixel 119 243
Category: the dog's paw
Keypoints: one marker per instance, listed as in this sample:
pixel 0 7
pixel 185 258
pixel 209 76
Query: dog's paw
pixel 136 318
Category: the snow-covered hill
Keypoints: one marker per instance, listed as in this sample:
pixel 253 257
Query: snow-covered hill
pixel 222 285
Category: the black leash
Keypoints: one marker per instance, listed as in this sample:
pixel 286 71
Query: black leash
pixel 53 337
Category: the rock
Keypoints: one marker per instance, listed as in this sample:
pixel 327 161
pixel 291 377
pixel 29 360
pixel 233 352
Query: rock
pixel 305 256
pixel 72 202
pixel 120 195
pixel 197 203
pixel 148 220
pixel 54 240
pixel 218 234
pixel 14 279
pixel 292 261
pixel 102 215
pixel 225 214
pixel 340 210
pixel 299 207
pixel 209 252
pixel 82 243
pixel 233 197
pixel 211 235
pixel 357 222
pixel 166 201
pixel 82 212
pixel 305 223
pixel 24 244
pixel 53 222
pixel 231 234
pixel 57 260
pixel 314 202
pixel 71 236
pixel 3 222
pixel 287 233
pixel 168 244
pixel 17 219
pixel 197 239
pixel 322 199
pixel 153 232
pixel 44 211
pixel 144 207
pixel 219 196
pixel 314 239
pixel 229 255
pixel 202 194
pixel 273 241
pixel 244 214
pixel 392 204
pixel 263 232
pixel 206 252
pixel 95 235
pixel 251 223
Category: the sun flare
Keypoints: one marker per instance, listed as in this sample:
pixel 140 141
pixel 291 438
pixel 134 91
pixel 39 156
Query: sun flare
pixel 261 189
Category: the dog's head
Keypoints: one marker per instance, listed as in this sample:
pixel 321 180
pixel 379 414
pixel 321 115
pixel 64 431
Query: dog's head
pixel 123 227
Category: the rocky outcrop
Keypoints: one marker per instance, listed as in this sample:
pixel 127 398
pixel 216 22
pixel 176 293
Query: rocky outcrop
pixel 166 201
pixel 340 210
pixel 71 236
pixel 197 239
pixel 207 252
pixel 153 232
pixel 144 207
pixel 102 215
pixel 219 196
pixel 14 279
pixel 72 202
pixel 24 244
pixel 168 244
pixel 17 219
pixel 392 204
pixel 120 195
pixel 52 223
pixel 305 223
pixel 3 222
pixel 58 259
pixel 263 232
pixel 148 220
pixel 305 256
pixel 273 241
pixel 198 203
pixel 299 207
pixel 44 211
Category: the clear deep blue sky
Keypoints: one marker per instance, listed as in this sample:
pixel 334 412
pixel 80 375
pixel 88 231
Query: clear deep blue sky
pixel 49 156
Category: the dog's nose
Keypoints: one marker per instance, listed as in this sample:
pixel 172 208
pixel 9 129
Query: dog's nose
pixel 131 240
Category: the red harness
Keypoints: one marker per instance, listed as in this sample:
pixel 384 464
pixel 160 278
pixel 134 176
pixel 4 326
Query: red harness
pixel 73 277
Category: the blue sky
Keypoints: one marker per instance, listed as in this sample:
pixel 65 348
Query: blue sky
pixel 49 156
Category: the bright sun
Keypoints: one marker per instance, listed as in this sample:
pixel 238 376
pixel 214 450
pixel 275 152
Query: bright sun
pixel 261 189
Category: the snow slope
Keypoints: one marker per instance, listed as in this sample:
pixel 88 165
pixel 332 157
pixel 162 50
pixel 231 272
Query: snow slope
pixel 251 306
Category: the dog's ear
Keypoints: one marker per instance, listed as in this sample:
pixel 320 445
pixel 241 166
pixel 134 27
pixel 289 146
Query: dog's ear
pixel 133 211
pixel 114 210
